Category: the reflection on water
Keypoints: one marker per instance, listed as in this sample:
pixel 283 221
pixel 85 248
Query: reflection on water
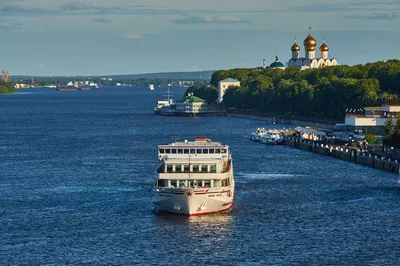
pixel 221 219
pixel 209 229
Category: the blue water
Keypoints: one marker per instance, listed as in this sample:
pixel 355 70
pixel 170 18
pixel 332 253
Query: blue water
pixel 76 174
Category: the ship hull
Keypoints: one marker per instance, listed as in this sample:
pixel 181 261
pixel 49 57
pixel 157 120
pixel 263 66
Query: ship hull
pixel 193 202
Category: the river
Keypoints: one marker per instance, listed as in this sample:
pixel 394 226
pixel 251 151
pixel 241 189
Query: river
pixel 77 168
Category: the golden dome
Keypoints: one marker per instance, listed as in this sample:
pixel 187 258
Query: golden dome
pixel 295 47
pixel 310 43
pixel 324 48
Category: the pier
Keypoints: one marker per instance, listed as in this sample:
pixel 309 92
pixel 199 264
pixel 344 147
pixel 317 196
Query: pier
pixel 345 153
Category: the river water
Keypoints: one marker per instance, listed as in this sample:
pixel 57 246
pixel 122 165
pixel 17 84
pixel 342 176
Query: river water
pixel 76 175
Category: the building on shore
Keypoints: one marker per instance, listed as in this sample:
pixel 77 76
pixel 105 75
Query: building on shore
pixel 189 105
pixel 371 121
pixel 277 64
pixel 223 85
pixel 310 60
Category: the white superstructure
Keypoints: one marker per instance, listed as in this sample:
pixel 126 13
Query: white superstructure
pixel 195 178
pixel 151 87
pixel 272 136
pixel 258 134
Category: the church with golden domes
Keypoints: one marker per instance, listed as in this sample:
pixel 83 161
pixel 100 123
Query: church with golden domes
pixel 310 60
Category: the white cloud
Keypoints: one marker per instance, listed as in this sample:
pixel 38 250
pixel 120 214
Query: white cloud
pixel 133 36
pixel 209 19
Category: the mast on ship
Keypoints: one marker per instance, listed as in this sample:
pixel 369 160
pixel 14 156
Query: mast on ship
pixel 168 95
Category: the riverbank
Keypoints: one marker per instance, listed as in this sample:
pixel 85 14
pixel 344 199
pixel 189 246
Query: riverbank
pixel 278 120
pixel 345 153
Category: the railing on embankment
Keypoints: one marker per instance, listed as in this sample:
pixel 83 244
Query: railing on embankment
pixel 345 154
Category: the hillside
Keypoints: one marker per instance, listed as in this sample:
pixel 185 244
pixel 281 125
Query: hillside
pixel 165 75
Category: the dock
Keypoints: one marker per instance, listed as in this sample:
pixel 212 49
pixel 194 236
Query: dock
pixel 345 153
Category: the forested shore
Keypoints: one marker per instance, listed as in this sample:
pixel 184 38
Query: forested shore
pixel 327 92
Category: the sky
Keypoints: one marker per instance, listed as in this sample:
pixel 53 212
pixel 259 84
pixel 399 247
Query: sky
pixel 98 37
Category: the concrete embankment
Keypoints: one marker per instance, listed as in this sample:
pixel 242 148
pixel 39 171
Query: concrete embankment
pixel 345 154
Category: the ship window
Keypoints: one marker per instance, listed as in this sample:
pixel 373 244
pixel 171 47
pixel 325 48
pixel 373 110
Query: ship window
pixel 173 183
pixel 205 151
pixel 161 150
pixel 204 168
pixel 195 168
pixel 173 151
pixel 167 151
pixel 186 168
pixel 192 151
pixel 213 168
pixel 178 168
pixel 169 168
pixel 207 183
pixel 223 183
pixel 162 183
pixel 223 151
pixel 211 151
pixel 180 151
pixel 196 183
pixel 186 151
pixel 218 151
pixel 198 151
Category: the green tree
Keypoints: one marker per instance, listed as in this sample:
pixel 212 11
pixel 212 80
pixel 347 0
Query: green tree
pixel 389 128
pixel 6 87
pixel 217 76
pixel 371 138
pixel 207 93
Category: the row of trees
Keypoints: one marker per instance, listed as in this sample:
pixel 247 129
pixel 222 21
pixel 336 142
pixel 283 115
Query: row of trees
pixel 325 92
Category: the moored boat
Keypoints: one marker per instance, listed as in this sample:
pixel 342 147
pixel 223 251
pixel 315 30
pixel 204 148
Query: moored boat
pixel 272 137
pixel 256 136
pixel 194 178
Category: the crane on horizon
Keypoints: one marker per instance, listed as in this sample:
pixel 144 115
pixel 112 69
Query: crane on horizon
pixel 32 81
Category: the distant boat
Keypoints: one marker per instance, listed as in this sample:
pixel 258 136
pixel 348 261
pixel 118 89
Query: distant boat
pixel 151 87
pixel 84 89
pixel 67 88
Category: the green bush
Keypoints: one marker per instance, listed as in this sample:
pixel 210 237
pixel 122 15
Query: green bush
pixel 371 138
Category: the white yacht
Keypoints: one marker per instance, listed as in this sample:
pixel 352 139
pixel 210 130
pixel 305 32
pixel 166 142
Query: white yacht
pixel 194 178
pixel 151 87
pixel 272 137
pixel 256 136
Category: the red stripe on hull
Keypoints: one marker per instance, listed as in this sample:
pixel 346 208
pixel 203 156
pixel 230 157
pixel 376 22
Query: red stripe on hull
pixel 198 214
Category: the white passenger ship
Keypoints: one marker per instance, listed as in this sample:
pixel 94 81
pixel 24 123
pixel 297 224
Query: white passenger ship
pixel 195 178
